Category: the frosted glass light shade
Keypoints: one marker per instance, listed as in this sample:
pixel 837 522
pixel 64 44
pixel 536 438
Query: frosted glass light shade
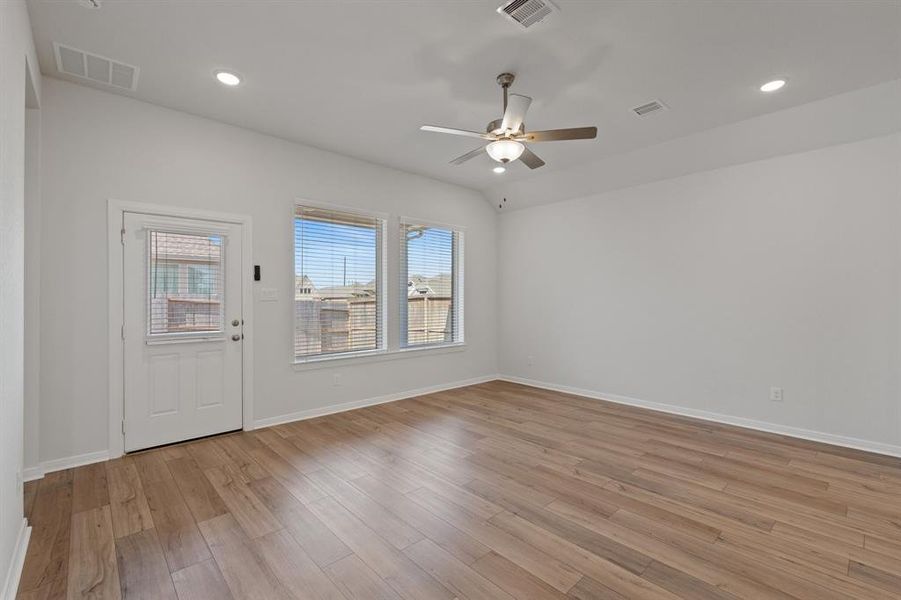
pixel 504 150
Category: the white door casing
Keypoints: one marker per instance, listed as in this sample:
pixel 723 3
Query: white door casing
pixel 183 329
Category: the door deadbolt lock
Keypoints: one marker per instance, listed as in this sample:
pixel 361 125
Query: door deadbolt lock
pixel 236 337
pixel 235 322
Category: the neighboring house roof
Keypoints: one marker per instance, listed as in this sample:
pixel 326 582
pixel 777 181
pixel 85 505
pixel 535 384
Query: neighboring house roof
pixel 439 285
pixel 303 283
pixel 361 290
pixel 179 246
pixel 419 289
pixel 305 288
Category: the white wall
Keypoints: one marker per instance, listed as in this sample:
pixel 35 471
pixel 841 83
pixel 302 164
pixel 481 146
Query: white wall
pixel 16 55
pixel 704 291
pixel 32 383
pixel 97 146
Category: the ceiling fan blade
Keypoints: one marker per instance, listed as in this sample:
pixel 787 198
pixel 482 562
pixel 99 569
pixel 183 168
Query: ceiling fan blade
pixel 557 135
pixel 517 106
pixel 452 131
pixel 472 154
pixel 530 159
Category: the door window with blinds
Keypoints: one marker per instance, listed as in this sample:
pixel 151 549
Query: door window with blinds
pixel 337 283
pixel 184 284
pixel 431 294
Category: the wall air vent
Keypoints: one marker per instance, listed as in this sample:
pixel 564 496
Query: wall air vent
pixel 96 68
pixel 528 12
pixel 652 107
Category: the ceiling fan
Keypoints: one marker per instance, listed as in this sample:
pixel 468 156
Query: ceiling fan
pixel 507 136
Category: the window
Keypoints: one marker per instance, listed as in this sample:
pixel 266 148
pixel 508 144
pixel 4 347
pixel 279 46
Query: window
pixel 184 283
pixel 200 280
pixel 431 301
pixel 165 278
pixel 337 283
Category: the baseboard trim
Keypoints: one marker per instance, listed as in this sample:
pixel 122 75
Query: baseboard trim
pixel 32 473
pixel 343 407
pixel 17 561
pixel 796 432
pixel 37 472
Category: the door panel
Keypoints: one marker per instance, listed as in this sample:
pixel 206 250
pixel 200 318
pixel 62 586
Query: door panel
pixel 165 372
pixel 183 351
pixel 210 377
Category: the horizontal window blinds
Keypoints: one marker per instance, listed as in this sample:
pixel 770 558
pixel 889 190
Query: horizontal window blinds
pixel 184 283
pixel 431 284
pixel 337 282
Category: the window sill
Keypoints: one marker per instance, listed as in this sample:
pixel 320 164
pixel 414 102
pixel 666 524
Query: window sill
pixel 376 356
pixel 184 338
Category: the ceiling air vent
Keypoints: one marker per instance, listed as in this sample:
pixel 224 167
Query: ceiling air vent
pixel 652 107
pixel 528 12
pixel 96 68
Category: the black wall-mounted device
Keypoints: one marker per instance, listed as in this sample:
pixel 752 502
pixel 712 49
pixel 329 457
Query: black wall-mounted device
pixel 256 272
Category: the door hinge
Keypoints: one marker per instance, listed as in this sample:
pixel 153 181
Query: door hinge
pixel 123 331
pixel 123 427
pixel 122 236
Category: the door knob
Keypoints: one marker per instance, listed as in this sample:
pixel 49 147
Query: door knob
pixel 236 337
pixel 235 322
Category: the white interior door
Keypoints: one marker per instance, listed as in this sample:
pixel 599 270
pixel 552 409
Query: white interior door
pixel 183 339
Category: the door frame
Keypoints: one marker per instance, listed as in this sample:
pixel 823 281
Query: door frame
pixel 115 343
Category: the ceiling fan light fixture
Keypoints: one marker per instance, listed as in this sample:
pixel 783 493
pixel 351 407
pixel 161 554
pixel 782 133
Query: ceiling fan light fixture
pixel 504 151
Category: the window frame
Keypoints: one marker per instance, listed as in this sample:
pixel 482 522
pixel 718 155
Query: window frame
pixel 381 273
pixel 458 235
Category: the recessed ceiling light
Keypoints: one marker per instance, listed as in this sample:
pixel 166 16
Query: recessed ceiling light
pixel 498 169
pixel 228 78
pixel 772 86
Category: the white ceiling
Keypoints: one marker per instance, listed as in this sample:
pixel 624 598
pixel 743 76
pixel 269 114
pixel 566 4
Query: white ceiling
pixel 359 77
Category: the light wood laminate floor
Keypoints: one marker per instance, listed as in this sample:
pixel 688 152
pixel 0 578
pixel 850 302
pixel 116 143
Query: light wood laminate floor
pixel 495 491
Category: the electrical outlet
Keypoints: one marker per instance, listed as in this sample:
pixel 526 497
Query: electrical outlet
pixel 336 379
pixel 776 394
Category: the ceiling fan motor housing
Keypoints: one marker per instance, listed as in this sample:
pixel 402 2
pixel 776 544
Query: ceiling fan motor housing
pixel 494 128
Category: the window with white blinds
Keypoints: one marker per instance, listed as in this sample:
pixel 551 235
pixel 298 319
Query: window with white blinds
pixel 184 283
pixel 337 283
pixel 431 294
